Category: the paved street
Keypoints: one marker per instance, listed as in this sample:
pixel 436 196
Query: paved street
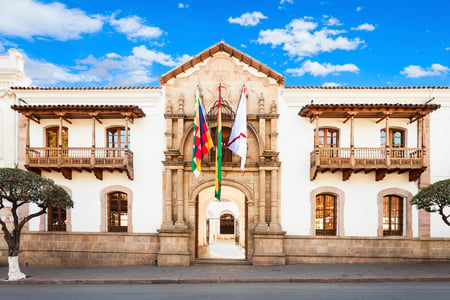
pixel 317 291
pixel 217 273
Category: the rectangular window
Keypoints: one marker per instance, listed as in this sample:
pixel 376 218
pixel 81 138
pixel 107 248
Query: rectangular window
pixel 326 214
pixel 56 219
pixel 392 216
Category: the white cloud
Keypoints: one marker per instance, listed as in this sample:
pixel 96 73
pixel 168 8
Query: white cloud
pixel 359 8
pixel 286 1
pixel 331 84
pixel 417 71
pixel 182 5
pixel 4 44
pixel 45 73
pixel 109 69
pixel 134 28
pixel 447 49
pixel 248 19
pixel 29 19
pixel 301 38
pixel 317 69
pixel 332 21
pixel 148 57
pixel 364 27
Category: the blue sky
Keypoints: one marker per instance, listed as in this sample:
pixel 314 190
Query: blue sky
pixel 319 43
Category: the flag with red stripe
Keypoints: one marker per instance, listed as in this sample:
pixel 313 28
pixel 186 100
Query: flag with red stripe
pixel 238 137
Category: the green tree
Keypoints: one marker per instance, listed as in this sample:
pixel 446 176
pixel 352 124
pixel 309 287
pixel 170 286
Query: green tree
pixel 17 188
pixel 435 198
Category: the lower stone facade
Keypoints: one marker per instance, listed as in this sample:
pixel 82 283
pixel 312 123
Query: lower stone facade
pixel 78 249
pixel 364 250
pixel 109 249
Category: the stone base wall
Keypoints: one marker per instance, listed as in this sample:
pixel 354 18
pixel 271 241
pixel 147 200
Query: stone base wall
pixel 111 249
pixel 78 249
pixel 364 250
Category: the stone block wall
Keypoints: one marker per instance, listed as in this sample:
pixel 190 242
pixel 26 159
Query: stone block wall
pixel 364 250
pixel 78 249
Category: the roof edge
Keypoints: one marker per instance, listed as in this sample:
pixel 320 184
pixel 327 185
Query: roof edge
pixel 222 47
pixel 93 88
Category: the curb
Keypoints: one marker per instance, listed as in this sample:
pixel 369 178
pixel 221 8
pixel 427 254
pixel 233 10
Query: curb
pixel 212 281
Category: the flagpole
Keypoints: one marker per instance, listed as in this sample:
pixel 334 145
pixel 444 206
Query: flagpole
pixel 218 181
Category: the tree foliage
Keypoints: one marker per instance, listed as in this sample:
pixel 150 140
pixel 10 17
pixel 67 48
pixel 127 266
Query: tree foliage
pixel 435 198
pixel 19 187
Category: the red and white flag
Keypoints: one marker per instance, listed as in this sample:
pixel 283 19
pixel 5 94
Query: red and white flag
pixel 238 137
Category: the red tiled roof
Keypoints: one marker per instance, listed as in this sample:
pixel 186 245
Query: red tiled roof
pixel 79 111
pixel 86 88
pixel 222 47
pixel 366 87
pixel 367 110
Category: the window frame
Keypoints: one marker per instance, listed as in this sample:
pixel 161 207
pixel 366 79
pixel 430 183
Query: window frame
pixel 116 196
pixel 119 132
pixel 326 212
pixel 407 211
pixel 392 132
pixel 60 211
pixel 393 205
pixel 331 133
pixel 104 206
pixel 340 203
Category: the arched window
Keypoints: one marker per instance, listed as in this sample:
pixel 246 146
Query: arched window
pixel 117 212
pixel 56 219
pixel 52 137
pixel 227 154
pixel 115 137
pixel 326 214
pixel 328 137
pixel 392 215
pixel 397 137
pixel 227 224
pixel 52 140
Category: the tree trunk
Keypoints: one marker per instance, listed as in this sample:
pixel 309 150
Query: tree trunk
pixel 14 269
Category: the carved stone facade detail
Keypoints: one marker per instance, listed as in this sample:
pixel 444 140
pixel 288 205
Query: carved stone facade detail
pixel 260 181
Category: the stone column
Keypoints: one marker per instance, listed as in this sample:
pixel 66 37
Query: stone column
pixel 168 221
pixel 274 222
pixel 425 177
pixel 262 224
pixel 180 203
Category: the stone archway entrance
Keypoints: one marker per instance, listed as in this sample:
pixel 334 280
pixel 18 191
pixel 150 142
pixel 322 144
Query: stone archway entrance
pixel 186 225
pixel 221 227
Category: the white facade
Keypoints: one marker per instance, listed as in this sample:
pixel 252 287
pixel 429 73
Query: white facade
pixel 358 204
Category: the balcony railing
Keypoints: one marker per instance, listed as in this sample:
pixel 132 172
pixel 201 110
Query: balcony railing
pixel 80 158
pixel 382 160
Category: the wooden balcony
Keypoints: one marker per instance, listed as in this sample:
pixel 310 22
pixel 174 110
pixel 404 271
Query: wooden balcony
pixel 88 159
pixel 379 160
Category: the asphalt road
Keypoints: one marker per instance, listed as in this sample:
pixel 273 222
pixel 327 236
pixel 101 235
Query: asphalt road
pixel 410 291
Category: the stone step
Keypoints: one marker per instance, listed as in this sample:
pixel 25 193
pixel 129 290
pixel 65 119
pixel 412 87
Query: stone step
pixel 221 261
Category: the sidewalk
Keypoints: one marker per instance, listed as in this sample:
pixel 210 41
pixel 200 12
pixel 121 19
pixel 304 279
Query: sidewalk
pixel 212 273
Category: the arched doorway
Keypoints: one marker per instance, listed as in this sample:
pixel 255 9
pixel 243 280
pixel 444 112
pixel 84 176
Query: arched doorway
pixel 221 227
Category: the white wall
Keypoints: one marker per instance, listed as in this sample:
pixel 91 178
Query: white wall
pixel 440 153
pixel 296 138
pixel 147 144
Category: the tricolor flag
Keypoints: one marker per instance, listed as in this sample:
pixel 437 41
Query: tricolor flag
pixel 218 189
pixel 238 137
pixel 202 141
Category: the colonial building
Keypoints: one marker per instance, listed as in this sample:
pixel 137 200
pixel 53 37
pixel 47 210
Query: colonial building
pixel 328 176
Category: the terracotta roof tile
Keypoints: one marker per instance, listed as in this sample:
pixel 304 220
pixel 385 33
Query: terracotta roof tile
pixel 367 87
pixel 85 88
